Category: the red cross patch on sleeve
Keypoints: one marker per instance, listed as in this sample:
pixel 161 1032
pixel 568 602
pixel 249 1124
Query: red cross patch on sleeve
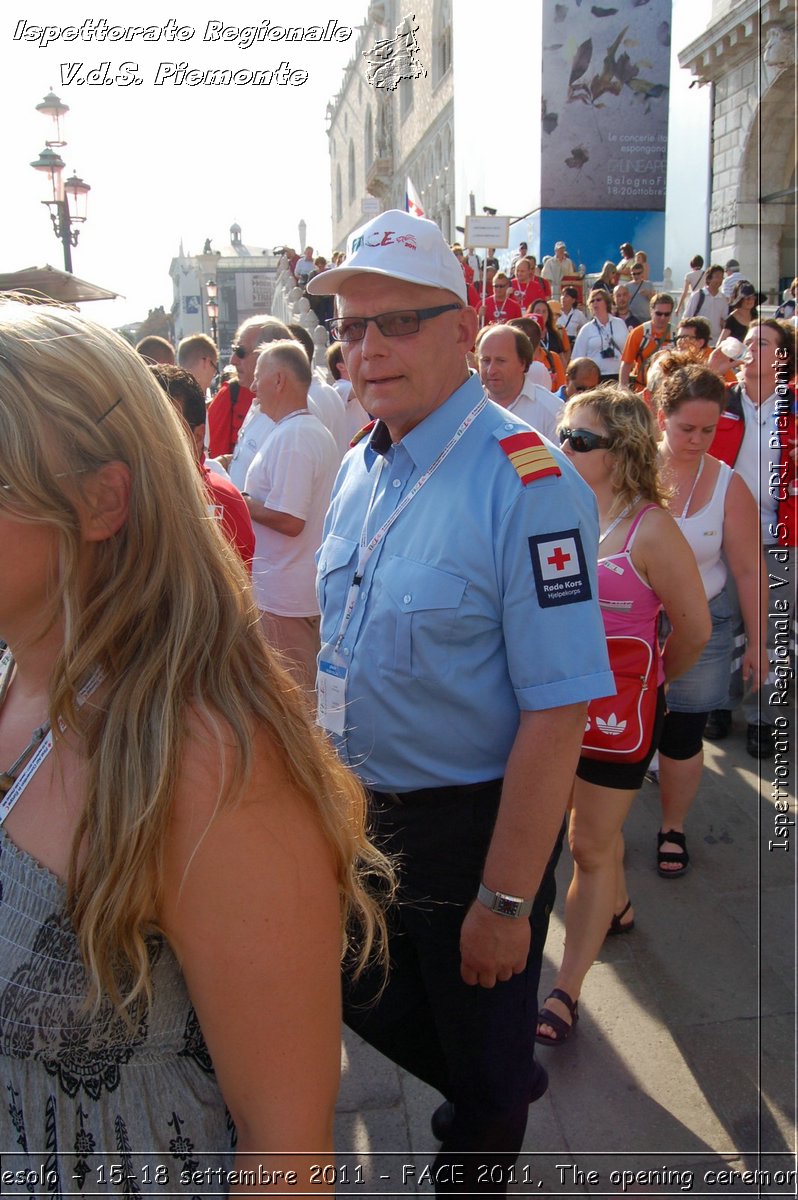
pixel 530 457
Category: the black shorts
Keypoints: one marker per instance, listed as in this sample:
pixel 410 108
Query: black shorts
pixel 624 776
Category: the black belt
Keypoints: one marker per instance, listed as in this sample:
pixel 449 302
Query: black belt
pixel 435 795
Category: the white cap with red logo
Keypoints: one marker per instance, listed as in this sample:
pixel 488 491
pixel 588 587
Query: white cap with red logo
pixel 398 246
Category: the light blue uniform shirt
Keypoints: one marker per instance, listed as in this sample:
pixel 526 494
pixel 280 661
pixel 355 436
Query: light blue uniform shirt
pixel 480 601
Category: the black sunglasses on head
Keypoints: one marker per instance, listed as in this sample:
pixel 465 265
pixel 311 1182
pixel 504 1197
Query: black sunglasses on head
pixel 582 441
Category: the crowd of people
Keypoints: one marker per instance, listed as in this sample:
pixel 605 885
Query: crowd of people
pixel 200 860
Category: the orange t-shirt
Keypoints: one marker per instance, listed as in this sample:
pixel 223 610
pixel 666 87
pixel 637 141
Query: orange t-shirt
pixel 636 354
pixel 553 364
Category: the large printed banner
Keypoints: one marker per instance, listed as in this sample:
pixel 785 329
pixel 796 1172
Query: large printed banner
pixel 605 103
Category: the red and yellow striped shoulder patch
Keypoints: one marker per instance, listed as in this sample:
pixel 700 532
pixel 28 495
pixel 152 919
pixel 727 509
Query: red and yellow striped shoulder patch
pixel 530 456
pixel 361 433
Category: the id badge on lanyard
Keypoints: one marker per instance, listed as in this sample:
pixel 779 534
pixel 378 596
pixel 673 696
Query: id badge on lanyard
pixel 331 690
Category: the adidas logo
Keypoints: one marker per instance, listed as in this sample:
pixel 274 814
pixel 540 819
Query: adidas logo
pixel 612 726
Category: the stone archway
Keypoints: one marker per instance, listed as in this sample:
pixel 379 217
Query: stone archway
pixel 764 210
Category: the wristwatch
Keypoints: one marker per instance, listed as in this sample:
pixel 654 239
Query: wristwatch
pixel 506 906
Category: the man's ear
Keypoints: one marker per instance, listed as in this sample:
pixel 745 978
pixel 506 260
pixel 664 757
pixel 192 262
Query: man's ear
pixel 105 502
pixel 468 327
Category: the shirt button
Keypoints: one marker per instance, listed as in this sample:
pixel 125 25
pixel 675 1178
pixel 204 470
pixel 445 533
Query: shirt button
pixel 509 426
pixel 406 598
pixel 397 483
pixel 346 652
pixel 323 566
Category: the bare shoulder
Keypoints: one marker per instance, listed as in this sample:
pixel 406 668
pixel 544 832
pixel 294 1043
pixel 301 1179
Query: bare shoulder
pixel 653 524
pixel 215 804
pixel 658 542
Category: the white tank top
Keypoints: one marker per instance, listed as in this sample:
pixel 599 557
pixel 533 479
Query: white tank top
pixel 704 532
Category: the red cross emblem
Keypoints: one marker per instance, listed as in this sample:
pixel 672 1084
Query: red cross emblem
pixel 558 559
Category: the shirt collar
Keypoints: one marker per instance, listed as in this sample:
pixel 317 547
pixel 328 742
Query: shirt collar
pixel 424 442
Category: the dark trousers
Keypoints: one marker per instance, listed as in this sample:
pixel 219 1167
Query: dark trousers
pixel 474 1045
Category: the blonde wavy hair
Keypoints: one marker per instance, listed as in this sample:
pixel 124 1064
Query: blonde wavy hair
pixel 632 430
pixel 165 610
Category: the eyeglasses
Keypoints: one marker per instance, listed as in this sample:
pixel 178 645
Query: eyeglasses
pixel 207 358
pixel 390 324
pixel 657 312
pixel 241 352
pixel 583 441
pixel 686 337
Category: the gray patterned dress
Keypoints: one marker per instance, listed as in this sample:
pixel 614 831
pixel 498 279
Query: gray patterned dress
pixel 90 1106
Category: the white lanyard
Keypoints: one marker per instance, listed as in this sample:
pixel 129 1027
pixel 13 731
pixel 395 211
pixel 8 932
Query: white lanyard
pixel 45 746
pixel 601 328
pixel 367 548
pixel 603 536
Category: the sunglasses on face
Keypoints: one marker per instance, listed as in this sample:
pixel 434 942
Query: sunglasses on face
pixel 582 441
pixel 240 352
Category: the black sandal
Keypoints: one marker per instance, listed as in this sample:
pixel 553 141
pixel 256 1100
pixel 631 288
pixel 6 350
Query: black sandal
pixel 617 925
pixel 681 859
pixel 562 1030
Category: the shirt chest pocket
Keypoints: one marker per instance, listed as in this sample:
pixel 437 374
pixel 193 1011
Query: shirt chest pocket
pixel 336 567
pixel 421 605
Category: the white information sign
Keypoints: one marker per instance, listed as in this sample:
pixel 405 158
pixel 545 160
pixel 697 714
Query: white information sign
pixel 487 231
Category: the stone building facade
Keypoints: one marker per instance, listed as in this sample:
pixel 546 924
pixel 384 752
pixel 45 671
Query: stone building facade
pixel 747 56
pixel 244 276
pixel 379 136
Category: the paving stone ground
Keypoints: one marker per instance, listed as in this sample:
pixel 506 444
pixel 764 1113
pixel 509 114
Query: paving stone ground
pixel 683 1066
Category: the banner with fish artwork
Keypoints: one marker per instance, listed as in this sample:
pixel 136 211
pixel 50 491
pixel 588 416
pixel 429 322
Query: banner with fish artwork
pixel 605 104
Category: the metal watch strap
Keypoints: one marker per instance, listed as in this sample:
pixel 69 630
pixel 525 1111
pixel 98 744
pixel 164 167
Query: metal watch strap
pixel 506 906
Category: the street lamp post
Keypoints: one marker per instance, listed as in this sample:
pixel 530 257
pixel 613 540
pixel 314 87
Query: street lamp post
pixel 212 308
pixel 68 204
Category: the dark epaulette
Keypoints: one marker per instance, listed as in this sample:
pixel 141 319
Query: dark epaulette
pixel 530 456
pixel 361 433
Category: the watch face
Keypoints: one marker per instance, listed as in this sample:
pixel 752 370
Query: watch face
pixel 506 906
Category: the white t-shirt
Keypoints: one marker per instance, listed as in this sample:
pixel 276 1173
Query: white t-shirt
pixel 355 414
pixel 714 309
pixel 540 408
pixel 326 404
pixel 539 373
pixel 572 322
pixel 753 461
pixel 254 429
pixel 694 278
pixel 292 472
pixel 730 282
pixel 594 337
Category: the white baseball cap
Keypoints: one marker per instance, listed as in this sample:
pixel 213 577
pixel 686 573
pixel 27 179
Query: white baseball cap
pixel 396 245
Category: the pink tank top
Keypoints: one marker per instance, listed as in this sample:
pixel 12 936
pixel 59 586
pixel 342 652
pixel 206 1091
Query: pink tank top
pixel 628 605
